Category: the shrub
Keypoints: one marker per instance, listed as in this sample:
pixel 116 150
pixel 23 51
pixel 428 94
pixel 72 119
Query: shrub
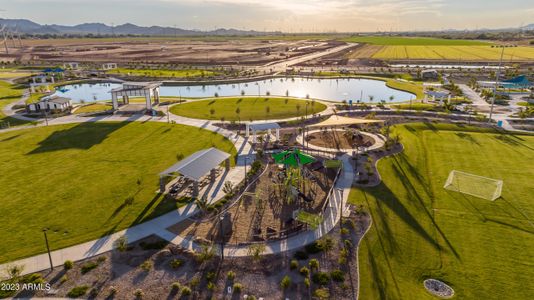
pixel 101 259
pixel 176 263
pixel 314 264
pixel 293 264
pixel 14 271
pixel 230 275
pixel 300 255
pixel 304 271
pixel 321 278
pixel 210 276
pixel 322 294
pixel 88 266
pixel 68 264
pixel 186 291
pixel 211 286
pixel 325 244
pixel 175 286
pixel 121 243
pixel 146 265
pixel 337 275
pixel 342 260
pixel 344 231
pixel 307 282
pixel 63 279
pixel 238 287
pixel 78 291
pixel 113 290
pixel 195 281
pixel 348 244
pixel 285 283
pixel 139 293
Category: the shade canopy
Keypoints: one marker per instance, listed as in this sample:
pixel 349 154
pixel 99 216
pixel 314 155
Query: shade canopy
pixel 197 164
pixel 336 120
pixel 293 158
pixel 264 126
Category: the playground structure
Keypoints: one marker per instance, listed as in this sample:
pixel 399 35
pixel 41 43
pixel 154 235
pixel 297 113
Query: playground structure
pixel 287 197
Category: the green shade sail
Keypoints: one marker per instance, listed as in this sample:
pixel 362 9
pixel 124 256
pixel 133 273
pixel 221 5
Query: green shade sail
pixel 293 158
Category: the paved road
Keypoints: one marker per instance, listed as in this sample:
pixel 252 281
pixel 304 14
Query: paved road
pixel 282 65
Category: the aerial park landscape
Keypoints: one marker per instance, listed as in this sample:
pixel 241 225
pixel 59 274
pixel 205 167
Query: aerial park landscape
pixel 265 164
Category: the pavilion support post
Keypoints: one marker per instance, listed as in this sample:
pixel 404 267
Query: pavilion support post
pixel 227 164
pixel 247 130
pixel 114 101
pixel 148 101
pixel 196 189
pixel 253 136
pixel 213 175
pixel 277 134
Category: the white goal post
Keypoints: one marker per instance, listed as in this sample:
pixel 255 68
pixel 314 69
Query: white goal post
pixel 474 185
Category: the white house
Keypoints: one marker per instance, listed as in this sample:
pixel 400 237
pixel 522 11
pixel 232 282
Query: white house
pixel 109 66
pixel 48 104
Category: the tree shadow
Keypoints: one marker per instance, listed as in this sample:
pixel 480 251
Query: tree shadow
pixel 467 137
pixel 82 136
pixel 384 195
pixel 412 191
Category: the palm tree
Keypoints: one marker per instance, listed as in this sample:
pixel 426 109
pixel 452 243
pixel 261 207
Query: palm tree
pixel 237 111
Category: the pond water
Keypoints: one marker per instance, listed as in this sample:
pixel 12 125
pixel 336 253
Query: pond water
pixel 327 89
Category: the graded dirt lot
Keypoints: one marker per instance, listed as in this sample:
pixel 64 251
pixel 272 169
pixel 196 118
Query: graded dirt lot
pixel 163 50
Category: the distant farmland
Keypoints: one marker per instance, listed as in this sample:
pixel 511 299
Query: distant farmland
pixel 403 48
pixel 454 53
pixel 412 41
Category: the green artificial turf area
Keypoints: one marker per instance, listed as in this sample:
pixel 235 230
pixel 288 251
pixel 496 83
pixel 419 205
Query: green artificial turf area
pixel 389 40
pixel 75 179
pixel 483 249
pixel 250 108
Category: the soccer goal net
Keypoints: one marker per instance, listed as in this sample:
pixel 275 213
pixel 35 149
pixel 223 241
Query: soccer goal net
pixel 474 185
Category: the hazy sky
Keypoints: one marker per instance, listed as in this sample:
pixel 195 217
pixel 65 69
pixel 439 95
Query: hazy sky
pixel 285 15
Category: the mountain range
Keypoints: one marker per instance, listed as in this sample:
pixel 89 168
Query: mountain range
pixel 28 27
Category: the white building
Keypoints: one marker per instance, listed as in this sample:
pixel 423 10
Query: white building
pixel 109 66
pixel 51 104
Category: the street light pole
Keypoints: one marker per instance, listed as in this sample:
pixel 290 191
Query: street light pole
pixel 497 75
pixel 245 171
pixel 221 218
pixel 48 249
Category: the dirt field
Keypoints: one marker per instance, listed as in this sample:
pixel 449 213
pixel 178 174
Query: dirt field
pixel 339 140
pixel 177 51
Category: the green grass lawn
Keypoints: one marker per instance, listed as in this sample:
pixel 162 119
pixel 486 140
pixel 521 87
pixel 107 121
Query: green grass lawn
pixel 74 179
pixel 388 41
pixel 10 93
pixel 162 72
pixel 483 249
pixel 93 107
pixel 251 108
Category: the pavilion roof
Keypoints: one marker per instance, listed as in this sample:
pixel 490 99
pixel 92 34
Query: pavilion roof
pixel 197 164
pixel 336 120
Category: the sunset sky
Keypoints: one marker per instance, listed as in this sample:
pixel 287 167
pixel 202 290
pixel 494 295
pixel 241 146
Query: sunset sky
pixel 283 15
